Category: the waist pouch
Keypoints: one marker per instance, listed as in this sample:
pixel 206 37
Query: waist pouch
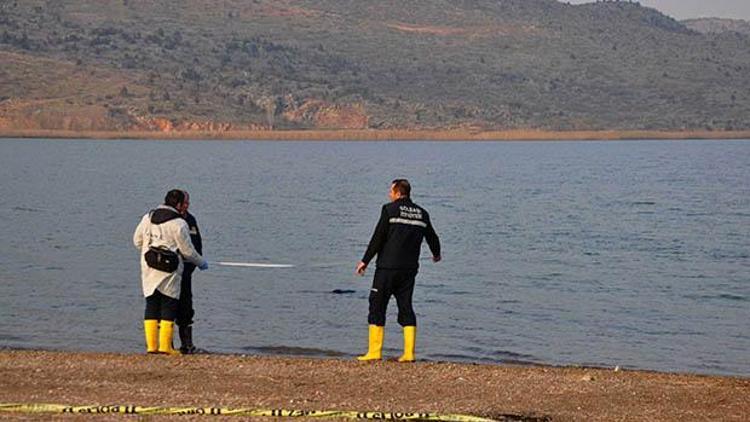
pixel 162 259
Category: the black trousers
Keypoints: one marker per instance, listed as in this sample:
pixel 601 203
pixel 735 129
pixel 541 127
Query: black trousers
pixel 160 307
pixel 185 311
pixel 387 283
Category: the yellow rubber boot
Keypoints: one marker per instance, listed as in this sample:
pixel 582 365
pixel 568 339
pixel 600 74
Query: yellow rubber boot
pixel 151 329
pixel 410 340
pixel 166 330
pixel 375 349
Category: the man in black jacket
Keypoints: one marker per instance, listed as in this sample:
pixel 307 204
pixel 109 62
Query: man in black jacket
pixel 185 311
pixel 397 242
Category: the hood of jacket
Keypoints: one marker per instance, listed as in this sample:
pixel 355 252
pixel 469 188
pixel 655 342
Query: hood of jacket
pixel 163 214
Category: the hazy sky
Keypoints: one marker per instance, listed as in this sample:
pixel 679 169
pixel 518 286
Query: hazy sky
pixel 684 9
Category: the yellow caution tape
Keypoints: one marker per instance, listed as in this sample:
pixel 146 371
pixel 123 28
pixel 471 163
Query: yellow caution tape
pixel 220 411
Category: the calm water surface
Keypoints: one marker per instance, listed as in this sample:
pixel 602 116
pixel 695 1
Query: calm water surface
pixel 596 253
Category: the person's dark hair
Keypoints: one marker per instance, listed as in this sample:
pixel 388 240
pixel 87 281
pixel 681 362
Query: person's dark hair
pixel 402 186
pixel 174 198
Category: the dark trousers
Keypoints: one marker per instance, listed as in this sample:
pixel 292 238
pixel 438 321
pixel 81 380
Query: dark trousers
pixel 160 307
pixel 185 311
pixel 387 283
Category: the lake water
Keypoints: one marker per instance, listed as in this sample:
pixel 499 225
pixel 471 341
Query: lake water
pixel 634 254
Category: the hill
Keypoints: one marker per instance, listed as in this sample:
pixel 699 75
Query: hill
pixel 718 25
pixel 282 64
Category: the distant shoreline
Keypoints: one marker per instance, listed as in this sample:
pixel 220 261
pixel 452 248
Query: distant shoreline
pixel 384 135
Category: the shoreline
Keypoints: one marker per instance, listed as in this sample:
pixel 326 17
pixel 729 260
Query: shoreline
pixel 266 382
pixel 324 355
pixel 384 135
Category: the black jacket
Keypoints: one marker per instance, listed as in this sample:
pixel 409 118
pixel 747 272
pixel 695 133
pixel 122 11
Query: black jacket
pixel 398 236
pixel 195 237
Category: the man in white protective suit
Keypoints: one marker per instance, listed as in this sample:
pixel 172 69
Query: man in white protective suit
pixel 163 238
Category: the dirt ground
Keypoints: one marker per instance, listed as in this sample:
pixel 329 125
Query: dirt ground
pixel 560 394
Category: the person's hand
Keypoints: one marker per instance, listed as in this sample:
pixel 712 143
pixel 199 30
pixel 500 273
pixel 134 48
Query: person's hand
pixel 361 267
pixel 437 258
pixel 203 267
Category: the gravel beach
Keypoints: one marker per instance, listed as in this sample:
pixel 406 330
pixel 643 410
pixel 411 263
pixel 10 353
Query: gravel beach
pixel 532 392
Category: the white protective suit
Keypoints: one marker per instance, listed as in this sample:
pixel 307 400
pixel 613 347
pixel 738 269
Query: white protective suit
pixel 173 235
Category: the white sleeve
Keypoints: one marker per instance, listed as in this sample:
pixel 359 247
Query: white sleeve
pixel 185 245
pixel 138 235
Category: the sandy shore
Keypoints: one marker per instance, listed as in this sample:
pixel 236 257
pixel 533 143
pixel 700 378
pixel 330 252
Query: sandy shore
pixel 560 394
pixel 383 135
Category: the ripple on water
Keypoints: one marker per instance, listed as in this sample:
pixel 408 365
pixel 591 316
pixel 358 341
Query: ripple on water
pixel 718 296
pixel 10 337
pixel 293 351
pixel 27 209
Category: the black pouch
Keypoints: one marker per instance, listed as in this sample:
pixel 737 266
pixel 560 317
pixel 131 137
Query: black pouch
pixel 162 260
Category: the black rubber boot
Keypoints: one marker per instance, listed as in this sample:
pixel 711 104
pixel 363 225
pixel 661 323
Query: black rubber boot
pixel 186 340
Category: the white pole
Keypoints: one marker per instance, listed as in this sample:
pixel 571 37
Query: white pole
pixel 252 265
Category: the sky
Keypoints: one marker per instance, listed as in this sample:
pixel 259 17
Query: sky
pixel 686 9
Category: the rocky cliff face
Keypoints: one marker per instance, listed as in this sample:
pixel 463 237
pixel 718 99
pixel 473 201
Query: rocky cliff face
pixel 324 115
